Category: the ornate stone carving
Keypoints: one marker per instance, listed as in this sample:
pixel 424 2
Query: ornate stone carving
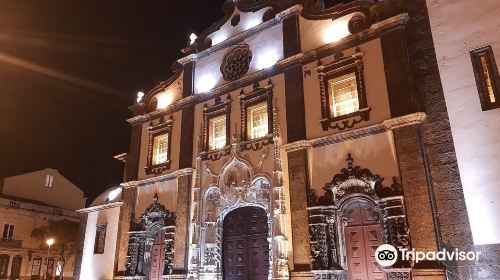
pixel 236 63
pixel 358 23
pixel 354 179
pixel 157 213
pixel 156 218
pixel 354 188
pixel 240 183
pixel 399 275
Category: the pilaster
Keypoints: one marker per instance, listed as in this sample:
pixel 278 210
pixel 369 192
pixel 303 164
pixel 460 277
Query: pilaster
pixel 182 224
pixel 298 180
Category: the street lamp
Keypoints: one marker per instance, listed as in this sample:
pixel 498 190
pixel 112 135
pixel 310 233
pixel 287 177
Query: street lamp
pixel 49 242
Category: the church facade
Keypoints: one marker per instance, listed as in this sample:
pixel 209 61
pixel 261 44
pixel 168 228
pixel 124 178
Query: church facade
pixel 292 140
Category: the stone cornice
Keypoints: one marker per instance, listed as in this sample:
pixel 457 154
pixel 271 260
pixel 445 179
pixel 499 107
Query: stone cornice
pixel 173 175
pixel 405 120
pixel 382 127
pixel 301 58
pixel 296 146
pixel 100 207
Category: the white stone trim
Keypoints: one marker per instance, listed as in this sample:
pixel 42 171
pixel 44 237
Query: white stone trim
pixel 382 127
pixel 405 120
pixel 173 175
pixel 100 207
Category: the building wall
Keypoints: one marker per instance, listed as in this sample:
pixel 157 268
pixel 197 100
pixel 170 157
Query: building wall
pixel 401 78
pixel 63 193
pixel 100 266
pixel 266 48
pixel 477 156
pixel 375 85
pixel 25 217
pixel 475 132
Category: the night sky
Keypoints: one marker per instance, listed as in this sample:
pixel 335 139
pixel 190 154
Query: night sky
pixel 70 69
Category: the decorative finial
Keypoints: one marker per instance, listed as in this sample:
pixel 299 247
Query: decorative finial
pixel 155 198
pixel 140 95
pixel 192 38
pixel 350 161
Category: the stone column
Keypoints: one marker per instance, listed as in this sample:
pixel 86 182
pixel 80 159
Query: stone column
pixel 181 241
pixel 126 213
pixel 298 181
pixel 419 200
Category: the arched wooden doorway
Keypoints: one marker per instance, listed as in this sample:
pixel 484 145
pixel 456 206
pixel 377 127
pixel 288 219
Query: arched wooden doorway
pixel 363 235
pixel 245 246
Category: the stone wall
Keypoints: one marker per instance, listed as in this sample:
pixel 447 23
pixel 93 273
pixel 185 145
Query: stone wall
pixel 79 247
pixel 444 178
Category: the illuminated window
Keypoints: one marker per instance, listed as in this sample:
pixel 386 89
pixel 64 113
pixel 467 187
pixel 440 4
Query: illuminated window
pixel 217 131
pixel 8 231
pixel 257 115
pixel 342 92
pixel 160 149
pixel 49 181
pixel 36 267
pixel 159 144
pixel 487 78
pixel 343 95
pixel 59 267
pixel 257 121
pixel 100 239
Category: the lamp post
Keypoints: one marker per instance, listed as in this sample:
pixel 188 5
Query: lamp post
pixel 49 242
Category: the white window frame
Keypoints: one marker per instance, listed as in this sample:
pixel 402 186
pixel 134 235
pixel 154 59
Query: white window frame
pixel 8 231
pixel 217 142
pixel 160 154
pixel 262 129
pixel 49 181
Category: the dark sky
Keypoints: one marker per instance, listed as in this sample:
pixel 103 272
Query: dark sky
pixel 68 71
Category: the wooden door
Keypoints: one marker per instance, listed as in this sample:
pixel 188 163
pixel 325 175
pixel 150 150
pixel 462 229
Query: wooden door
pixel 49 270
pixel 245 245
pixel 157 256
pixel 363 235
pixel 15 269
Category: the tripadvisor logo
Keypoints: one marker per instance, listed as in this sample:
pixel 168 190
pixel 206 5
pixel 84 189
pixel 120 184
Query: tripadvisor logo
pixel 387 255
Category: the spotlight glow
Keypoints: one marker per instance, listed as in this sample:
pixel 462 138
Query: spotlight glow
pixel 205 83
pixel 192 38
pixel 50 241
pixel 336 31
pixel 267 59
pixel 164 99
pixel 218 38
pixel 140 95
pixel 251 23
pixel 112 195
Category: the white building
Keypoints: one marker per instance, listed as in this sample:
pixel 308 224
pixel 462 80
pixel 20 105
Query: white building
pixel 466 38
pixel 264 155
pixel 29 201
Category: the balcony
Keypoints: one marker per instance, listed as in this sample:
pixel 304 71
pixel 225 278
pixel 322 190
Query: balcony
pixel 10 243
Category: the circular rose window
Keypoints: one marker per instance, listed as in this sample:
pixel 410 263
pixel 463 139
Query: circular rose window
pixel 236 63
